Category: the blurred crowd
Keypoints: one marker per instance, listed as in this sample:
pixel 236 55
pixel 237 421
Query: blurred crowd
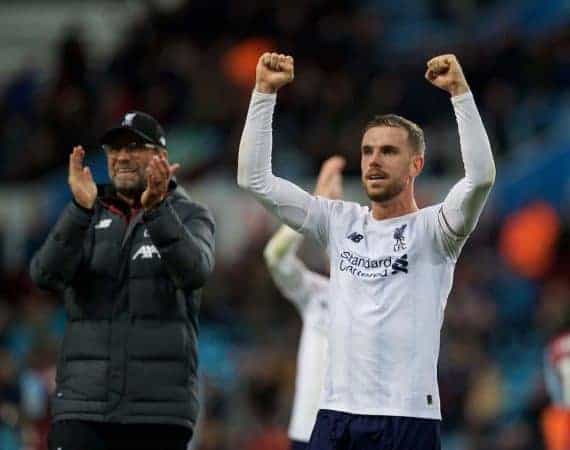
pixel 192 68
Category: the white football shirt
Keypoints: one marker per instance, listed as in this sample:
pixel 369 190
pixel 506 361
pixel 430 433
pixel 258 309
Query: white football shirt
pixel 308 291
pixel 389 278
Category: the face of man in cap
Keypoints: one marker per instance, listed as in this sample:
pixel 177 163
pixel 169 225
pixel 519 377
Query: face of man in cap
pixel 127 161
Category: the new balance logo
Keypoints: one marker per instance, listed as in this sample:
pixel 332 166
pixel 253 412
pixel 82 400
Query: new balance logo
pixel 146 252
pixel 400 265
pixel 128 120
pixel 355 237
pixel 103 223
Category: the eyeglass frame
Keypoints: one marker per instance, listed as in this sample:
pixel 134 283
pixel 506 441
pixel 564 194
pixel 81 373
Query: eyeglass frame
pixel 131 147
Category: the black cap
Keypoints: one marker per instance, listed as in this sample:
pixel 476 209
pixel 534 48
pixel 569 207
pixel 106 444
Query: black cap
pixel 139 124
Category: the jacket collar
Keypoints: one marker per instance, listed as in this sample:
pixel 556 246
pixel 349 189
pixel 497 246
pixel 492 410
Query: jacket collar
pixel 107 195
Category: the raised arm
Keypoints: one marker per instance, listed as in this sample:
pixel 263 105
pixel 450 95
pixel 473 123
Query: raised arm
pixel 287 271
pixel 55 264
pixel 282 198
pixel 295 282
pixel 464 203
pixel 184 237
pixel 182 231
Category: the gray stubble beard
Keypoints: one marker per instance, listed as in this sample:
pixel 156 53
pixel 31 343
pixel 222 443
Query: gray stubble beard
pixel 133 191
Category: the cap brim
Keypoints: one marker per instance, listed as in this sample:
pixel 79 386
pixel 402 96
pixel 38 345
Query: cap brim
pixel 114 134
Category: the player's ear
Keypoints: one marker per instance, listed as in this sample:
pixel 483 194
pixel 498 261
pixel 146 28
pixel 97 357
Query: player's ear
pixel 163 152
pixel 417 165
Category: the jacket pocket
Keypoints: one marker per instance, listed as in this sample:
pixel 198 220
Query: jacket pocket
pixel 157 370
pixel 84 361
pixel 84 380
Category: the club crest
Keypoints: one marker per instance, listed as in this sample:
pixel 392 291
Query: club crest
pixel 400 239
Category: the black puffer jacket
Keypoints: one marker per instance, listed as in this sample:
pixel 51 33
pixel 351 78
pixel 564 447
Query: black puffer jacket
pixel 131 284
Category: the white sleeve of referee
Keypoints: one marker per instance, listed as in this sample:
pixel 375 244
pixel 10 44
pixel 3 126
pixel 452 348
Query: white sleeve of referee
pixel 282 198
pixel 463 205
pixel 295 282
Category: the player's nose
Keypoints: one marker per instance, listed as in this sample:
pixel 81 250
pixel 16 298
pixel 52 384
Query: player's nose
pixel 375 160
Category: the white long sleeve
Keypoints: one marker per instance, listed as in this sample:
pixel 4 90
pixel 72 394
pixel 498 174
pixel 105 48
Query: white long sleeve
pixel 283 245
pixel 295 282
pixel 464 203
pixel 309 292
pixel 301 211
pixel 281 197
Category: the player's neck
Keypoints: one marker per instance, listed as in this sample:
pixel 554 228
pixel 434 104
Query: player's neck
pixel 403 204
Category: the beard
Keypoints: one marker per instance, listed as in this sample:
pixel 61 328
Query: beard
pixel 393 189
pixel 130 188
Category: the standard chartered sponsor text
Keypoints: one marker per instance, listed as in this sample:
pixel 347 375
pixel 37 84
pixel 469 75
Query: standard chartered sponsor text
pixel 377 267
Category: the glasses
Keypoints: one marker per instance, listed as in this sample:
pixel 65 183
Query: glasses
pixel 131 147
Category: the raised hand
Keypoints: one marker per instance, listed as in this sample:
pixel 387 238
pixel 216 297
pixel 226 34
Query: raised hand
pixel 158 174
pixel 273 71
pixel 445 72
pixel 80 180
pixel 329 182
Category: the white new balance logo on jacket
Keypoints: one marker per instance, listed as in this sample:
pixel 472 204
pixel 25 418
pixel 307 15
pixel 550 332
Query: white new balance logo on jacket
pixel 146 252
pixel 103 223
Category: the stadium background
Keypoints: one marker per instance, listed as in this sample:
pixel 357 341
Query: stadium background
pixel 71 68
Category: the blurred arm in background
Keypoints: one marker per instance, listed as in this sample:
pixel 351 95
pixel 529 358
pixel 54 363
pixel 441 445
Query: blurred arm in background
pixel 291 276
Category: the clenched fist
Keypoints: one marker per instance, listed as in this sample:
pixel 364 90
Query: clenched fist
pixel 445 72
pixel 273 71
